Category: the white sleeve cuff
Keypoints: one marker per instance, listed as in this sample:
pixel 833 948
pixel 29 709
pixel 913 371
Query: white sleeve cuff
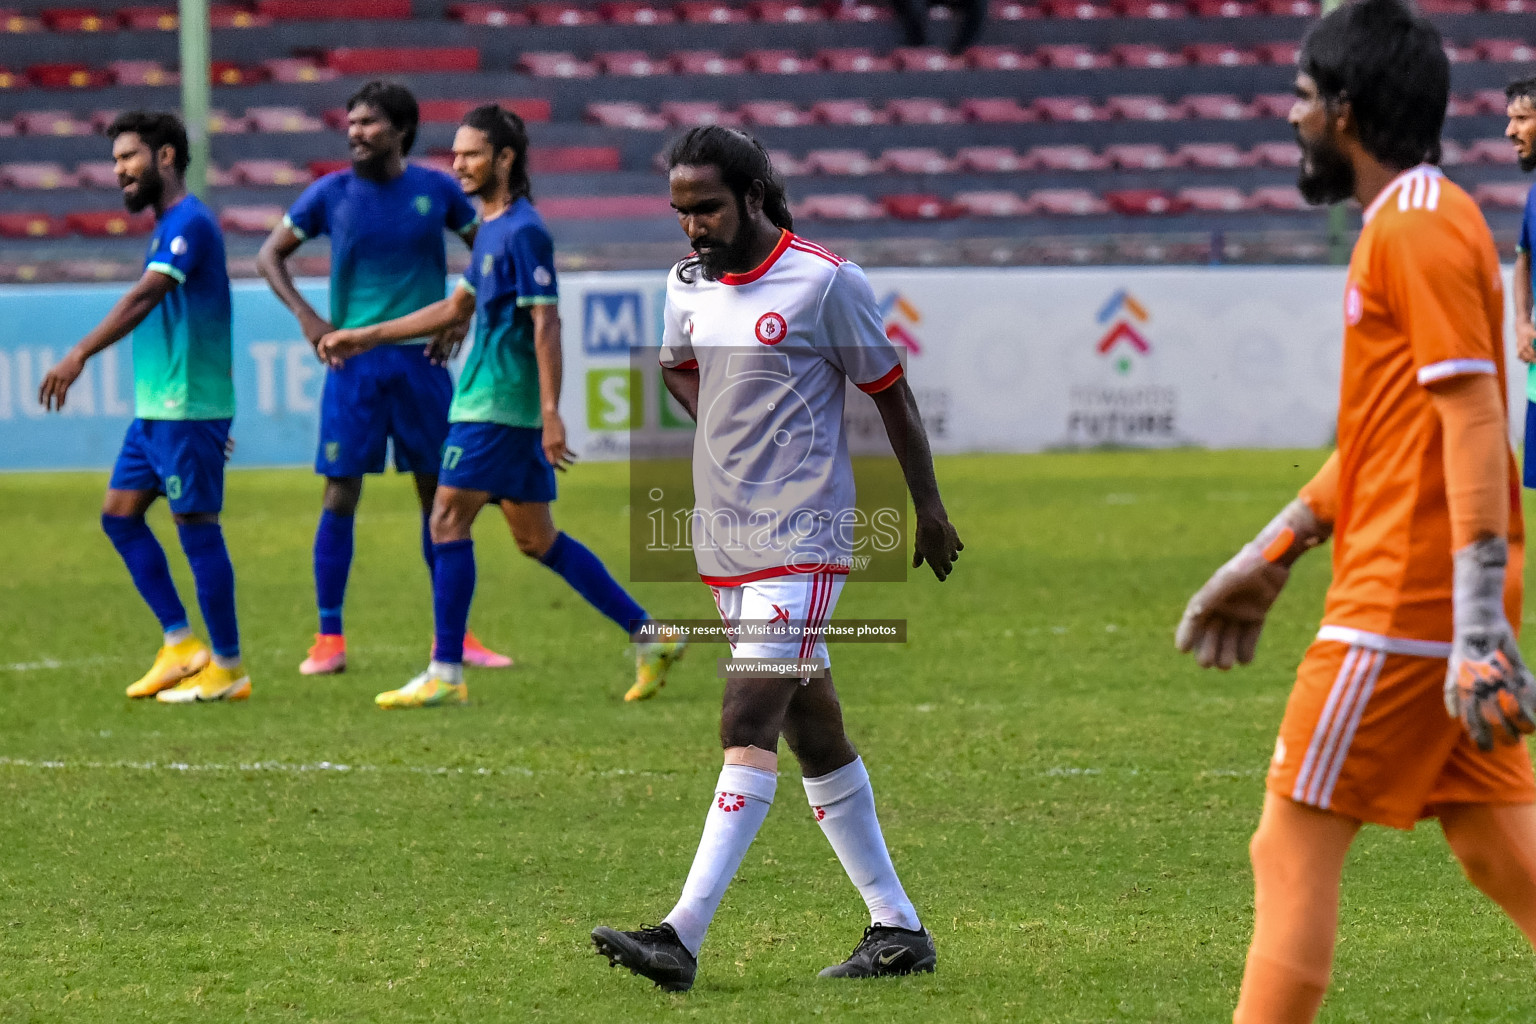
pixel 1455 368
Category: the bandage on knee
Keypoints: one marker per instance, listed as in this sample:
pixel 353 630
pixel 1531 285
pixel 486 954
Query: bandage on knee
pixel 753 757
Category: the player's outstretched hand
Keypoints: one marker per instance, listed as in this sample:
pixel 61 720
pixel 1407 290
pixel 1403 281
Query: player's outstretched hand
pixel 936 543
pixel 57 383
pixel 446 344
pixel 1222 622
pixel 559 456
pixel 1487 686
pixel 337 347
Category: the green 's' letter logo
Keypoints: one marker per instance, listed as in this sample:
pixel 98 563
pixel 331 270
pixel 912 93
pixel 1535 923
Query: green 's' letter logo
pixel 614 400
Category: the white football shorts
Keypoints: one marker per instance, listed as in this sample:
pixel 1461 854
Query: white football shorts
pixel 802 602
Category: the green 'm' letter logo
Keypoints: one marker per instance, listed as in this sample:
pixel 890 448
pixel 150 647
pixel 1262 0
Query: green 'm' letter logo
pixel 614 400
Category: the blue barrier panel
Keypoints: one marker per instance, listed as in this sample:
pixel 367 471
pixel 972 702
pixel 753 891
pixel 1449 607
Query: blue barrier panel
pixel 277 379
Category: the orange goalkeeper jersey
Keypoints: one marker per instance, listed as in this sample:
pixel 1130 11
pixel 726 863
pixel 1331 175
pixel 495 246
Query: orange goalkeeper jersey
pixel 1424 302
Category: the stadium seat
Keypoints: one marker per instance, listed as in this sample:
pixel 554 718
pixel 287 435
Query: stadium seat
pixel 101 120
pixel 1223 8
pixel 1458 54
pixel 224 72
pixel 860 11
pixel 1277 154
pixel 1002 110
pixel 1490 101
pixel 785 12
pixel 786 163
pixel 11 80
pixel 51 122
pixel 149 19
pixel 109 223
pixel 707 62
pixel 841 162
pixel 1491 151
pixel 1139 202
pixel 606 207
pixel 1278 197
pixel 574 159
pixel 393 60
pixel 14 21
pixel 993 204
pixel 36 175
pixel 1141 55
pixel 1143 108
pixel 1511 6
pixel 840 206
pixel 921 207
pixel 915 160
pixel 1282 54
pixel 222 122
pixel 1463 106
pixel 1503 195
pixel 631 63
pixel 1452 153
pixel 1217 106
pixel 320 168
pixel 711 12
pixel 636 12
pixel 1506 51
pixel 778 62
pixel 297 70
pixel 847 112
pixel 991 160
pixel 1213 199
pixel 96 174
pixel 1076 10
pixel 283 119
pixel 1071 202
pixel 854 59
pixel 78 19
pixel 235 16
pixel 560 15
pixel 1015 10
pixel 1219 55
pixel 1273 104
pixel 1066 158
pixel 1212 156
pixel 1138 157
pixel 555 65
pixel 141 72
pixel 999 58
pixel 1069 108
pixel 487 15
pixel 923 111
pixel 269 172
pixel 32 225
pixel 453 111
pixel 1447 6
pixel 926 58
pixel 1157 10
pixel 334 10
pixel 775 113
pixel 625 115
pixel 250 220
pixel 1289 8
pixel 66 76
pixel 1072 56
pixel 693 113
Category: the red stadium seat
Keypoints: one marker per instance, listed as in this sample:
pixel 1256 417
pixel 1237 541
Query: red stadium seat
pixel 52 122
pixel 1139 202
pixel 78 19
pixel 1143 108
pixel 921 207
pixel 37 175
pixel 1076 10
pixel 636 12
pixel 775 113
pixel 1504 195
pixel 707 62
pixel 839 162
pixel 1141 55
pixel 785 12
pixel 915 160
pixel 1492 151
pixel 1072 56
pixel 222 122
pixel 1463 106
pixel 1002 110
pixel 1066 158
pixel 1213 199
pixel 223 72
pixel 1212 156
pixel 1217 106
pixel 926 58
pixel 1458 54
pixel 109 223
pixel 1073 202
pixel 1140 156
pixel 559 15
pixel 334 10
pixel 1273 104
pixel 1289 8
pixel 16 22
pixel 923 111
pixel 840 206
pixel 454 111
pixel 487 15
pixel 269 172
pixel 11 80
pixel 1222 55
pixel 555 65
pixel 96 174
pixel 999 58
pixel 1015 10
pixel 1277 154
pixel 1506 51
pixel 320 168
pixel 625 115
pixel 66 76
pixel 1447 6
pixel 32 225
pixel 631 63
pixel 283 119
pixel 606 207
pixel 219 177
pixel 1490 101
pixel 1283 53
pixel 1158 10
pixel 1224 8
pixel 235 16
pixel 141 72
pixel 779 62
pixel 854 59
pixel 388 60
pixel 574 159
pixel 710 12
pixel 847 112
pixel 993 204
pixel 991 160
pixel 1452 153
pixel 1069 108
pixel 860 11
pixel 692 113
pixel 1512 6
pixel 787 163
pixel 250 220
pixel 101 120
pixel 1278 197
pixel 297 70
pixel 149 19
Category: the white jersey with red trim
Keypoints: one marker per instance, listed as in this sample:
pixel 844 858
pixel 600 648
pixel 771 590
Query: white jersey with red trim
pixel 772 481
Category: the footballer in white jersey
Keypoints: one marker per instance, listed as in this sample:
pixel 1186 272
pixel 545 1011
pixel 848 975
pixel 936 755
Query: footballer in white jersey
pixel 763 332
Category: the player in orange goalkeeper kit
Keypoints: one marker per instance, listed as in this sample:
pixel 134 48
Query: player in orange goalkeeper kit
pixel 1413 700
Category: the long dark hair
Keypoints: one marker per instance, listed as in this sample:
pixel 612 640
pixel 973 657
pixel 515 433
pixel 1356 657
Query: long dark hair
pixel 505 130
pixel 741 160
pixel 396 103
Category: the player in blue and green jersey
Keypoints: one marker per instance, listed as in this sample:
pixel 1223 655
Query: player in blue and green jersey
pixel 1520 96
pixel 506 438
pixel 385 219
pixel 184 400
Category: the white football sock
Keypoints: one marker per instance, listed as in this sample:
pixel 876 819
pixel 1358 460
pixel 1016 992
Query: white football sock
pixel 742 798
pixel 226 663
pixel 176 636
pixel 845 806
pixel 447 671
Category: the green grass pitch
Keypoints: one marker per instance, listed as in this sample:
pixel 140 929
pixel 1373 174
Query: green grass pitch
pixel 1067 800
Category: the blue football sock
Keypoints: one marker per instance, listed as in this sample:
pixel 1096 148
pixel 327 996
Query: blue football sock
pixel 427 553
pixel 145 559
pixel 333 561
pixel 215 578
pixel 587 575
pixel 453 588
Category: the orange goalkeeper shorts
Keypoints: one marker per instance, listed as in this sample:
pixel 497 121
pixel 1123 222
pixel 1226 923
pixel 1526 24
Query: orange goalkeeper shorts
pixel 1366 735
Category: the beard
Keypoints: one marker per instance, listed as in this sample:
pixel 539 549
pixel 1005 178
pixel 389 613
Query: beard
pixel 1331 178
pixel 151 188
pixel 372 166
pixel 1528 161
pixel 731 257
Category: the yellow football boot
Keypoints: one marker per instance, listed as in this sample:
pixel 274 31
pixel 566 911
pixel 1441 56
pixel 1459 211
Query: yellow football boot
pixel 425 691
pixel 652 661
pixel 174 663
pixel 211 684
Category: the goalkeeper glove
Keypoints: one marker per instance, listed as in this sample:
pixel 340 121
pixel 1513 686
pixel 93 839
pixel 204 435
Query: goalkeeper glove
pixel 1487 685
